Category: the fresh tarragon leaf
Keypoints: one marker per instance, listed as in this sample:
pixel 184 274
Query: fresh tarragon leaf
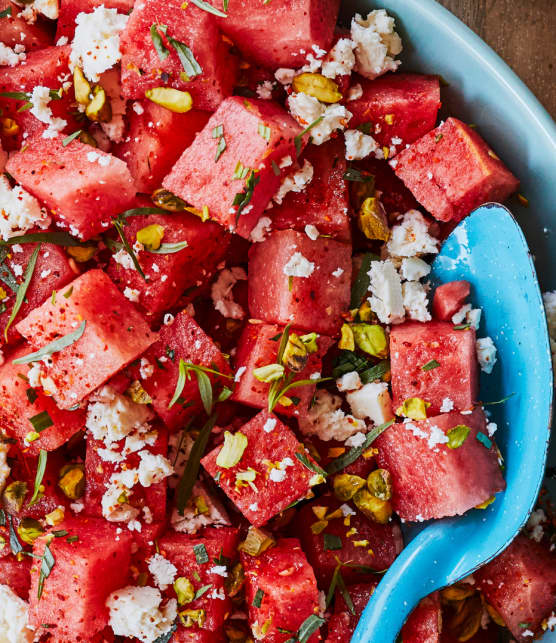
pixel 54 347
pixel 22 289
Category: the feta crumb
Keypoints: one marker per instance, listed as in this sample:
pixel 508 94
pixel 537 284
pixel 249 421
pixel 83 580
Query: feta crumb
pixel 355 440
pixel 372 401
pixel 491 428
pixel 132 294
pixel 240 371
pixel 447 405
pixel 436 436
pixel 20 212
pixel 411 237
pixel 163 571
pixel 340 60
pixel 486 354
pixel 4 467
pixel 138 108
pixel 168 319
pixel 269 425
pixel 386 299
pixel 354 92
pixel 153 468
pixel 415 301
pixel 473 317
pixel 307 109
pixel 40 97
pixel 295 182
pixel 264 89
pixel 326 419
pixel 414 269
pixel 349 382
pixel 123 258
pixel 358 145
pixel 417 431
pixel 14 618
pixel 219 570
pixel 277 475
pixel 338 272
pixel 222 295
pixel 259 232
pixel 254 506
pixel 62 41
pixel 461 314
pixel 312 232
pixel 284 75
pixel 298 266
pixel 376 43
pixel 146 369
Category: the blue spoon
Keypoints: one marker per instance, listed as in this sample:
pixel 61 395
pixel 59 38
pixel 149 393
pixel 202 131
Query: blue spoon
pixel 487 249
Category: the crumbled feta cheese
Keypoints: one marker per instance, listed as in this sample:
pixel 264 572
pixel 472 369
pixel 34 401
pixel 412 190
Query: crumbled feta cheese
pixel 372 401
pixel 277 475
pixel 358 145
pixel 340 59
pixel 413 268
pixel 96 43
pixel 295 182
pixel 486 354
pixel 48 8
pixel 222 295
pixel 436 436
pixel 192 519
pixel 307 109
pixel 8 56
pixel 162 570
pixel 264 89
pixel 461 314
pixel 326 419
pixel 298 266
pixel 386 292
pixel 312 232
pixel 284 75
pixel 411 237
pixel 259 232
pixel 355 440
pixel 349 382
pixel 338 272
pixel 138 108
pixel 415 301
pixel 138 612
pixel 219 570
pixel 14 618
pixel 146 369
pixel 549 299
pixel 447 405
pixel 168 319
pixel 153 468
pixel 19 211
pixel 123 258
pixel 473 317
pixel 40 97
pixel 240 371
pixel 132 294
pixel 417 431
pixel 4 467
pixel 354 92
pixel 526 633
pixel 376 43
pixel 269 425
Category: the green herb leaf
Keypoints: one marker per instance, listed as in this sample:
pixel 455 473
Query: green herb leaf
pixel 361 284
pixel 60 533
pixel 353 174
pixel 201 555
pixel 41 468
pixel 169 248
pixel 47 564
pixel 15 545
pixel 183 375
pixel 429 366
pixel 6 275
pixel 54 347
pixel 462 327
pixel 242 199
pixel 312 466
pixel 259 595
pixel 220 148
pixel 2 518
pixel 205 6
pixel 16 95
pixel 275 395
pixel 57 238
pixel 345 593
pixel 71 137
pixel 41 421
pixel 119 229
pixel 22 289
pixel 158 43
pixel 332 542
pixel 309 626
pixel 351 456
pixel 7 12
pixel 187 59
pixel 225 393
pixel 264 131
pixel 366 127
pixel 504 399
pixel 275 168
pixel 31 395
pixel 298 140
pixel 139 212
pixel 72 539
pixel 166 637
pixel 202 590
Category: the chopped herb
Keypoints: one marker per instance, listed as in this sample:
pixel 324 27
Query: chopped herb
pixel 524 626
pixel 462 327
pixel 31 396
pixel 240 171
pixel 362 281
pixel 504 399
pixel 15 95
pixel 201 555
pixel 205 386
pixel 310 465
pixel 348 361
pixel 169 248
pixel 259 595
pixel 57 238
pixel 60 533
pixel 355 175
pixel 53 347
pixel 187 59
pixel 429 366
pixel 47 564
pixel 41 421
pixel 41 467
pixel 119 229
pixel 438 138
pixel 275 168
pixel 71 137
pixel 220 148
pixel 484 440
pixel 276 394
pixel 276 337
pixel 310 625
pixel 7 12
pixel 218 131
pixel 158 43
pixel 205 6
pixel 264 131
pixel 2 518
pixel 457 436
pixel 332 542
pixel 22 289
pixel 366 128
pixel 351 456
pixel 225 393
pixel 202 590
pixel 72 539
pixel 298 140
pixel 15 545
pixel 6 274
pixel 242 199
pixel 166 637
pixel 225 4
pixel 68 292
pixel 171 353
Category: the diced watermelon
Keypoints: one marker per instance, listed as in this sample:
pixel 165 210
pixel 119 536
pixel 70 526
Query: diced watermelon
pixel 21 403
pixel 384 542
pixel 202 180
pixel 258 346
pixel 184 340
pixel 52 272
pixel 314 302
pixel 521 586
pixel 431 480
pixel 451 171
pixel 16 573
pixel 83 187
pixel 143 69
pixel 424 624
pixel 324 203
pixel 449 298
pixel 186 553
pixel 155 139
pixel 168 275
pixel 283 32
pixel 65 27
pixel 343 622
pixel 397 106
pixel 277 457
pixel 15 30
pixel 455 379
pixel 289 591
pixel 84 574
pixel 114 335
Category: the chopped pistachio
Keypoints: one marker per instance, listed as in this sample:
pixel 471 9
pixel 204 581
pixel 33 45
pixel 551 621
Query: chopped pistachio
pixel 365 312
pixel 9 127
pixel 32 436
pixel 3 294
pixel 72 481
pixel 319 526
pixel 88 139
pixel 256 542
pixel 190 618
pixel 457 592
pixel 494 615
pixel 14 496
pixel 184 590
pixel 200 504
pixel 372 220
pixel 168 201
pixel 347 340
pixel 320 512
pixel 467 619
pixel 486 503
pixel 81 87
pixel 346 485
pixel 269 373
pixel 246 478
pixel 374 508
pixel 310 341
pixel 235 580
pixel 173 99
pixel 151 236
pixel 232 449
pixel 414 408
pixel 138 394
pixel 389 118
pixel 323 89
pixel 29 530
pixel 371 339
pixel 99 109
pixel 379 483
pixel 55 517
pixel 295 354
pixel 81 254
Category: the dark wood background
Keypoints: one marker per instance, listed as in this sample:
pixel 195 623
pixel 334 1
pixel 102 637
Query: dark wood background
pixel 523 33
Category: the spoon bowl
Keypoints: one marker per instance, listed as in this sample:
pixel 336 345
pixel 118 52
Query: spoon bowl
pixel 487 249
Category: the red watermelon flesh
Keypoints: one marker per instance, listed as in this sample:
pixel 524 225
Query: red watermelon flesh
pixel 201 180
pixel 16 573
pixel 328 451
pixel 182 551
pixel 52 272
pixel 17 408
pixel 456 379
pixel 449 298
pixel 343 622
pixel 102 350
pixel 430 480
pixel 290 593
pixel 521 586
pixel 168 275
pixel 409 101
pixel 451 171
pixel 258 346
pixel 313 303
pixel 15 30
pixel 324 203
pixel 85 573
pixel 83 187
pixel 384 542
pixel 281 478
pixel 424 624
pixel 142 68
pixel 182 339
pixel 283 32
pixel 155 139
pixel 70 8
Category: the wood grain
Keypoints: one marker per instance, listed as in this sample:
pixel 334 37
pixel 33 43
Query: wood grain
pixel 523 33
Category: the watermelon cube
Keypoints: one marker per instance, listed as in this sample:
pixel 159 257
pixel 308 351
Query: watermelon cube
pixel 203 559
pixel 52 272
pixel 168 275
pixel 184 340
pixel 293 279
pixel 368 544
pixel 22 403
pixel 343 622
pixel 113 335
pixel 520 584
pixel 249 165
pixel 453 384
pixel 449 298
pixel 83 187
pixel 451 171
pixel 324 203
pixel 399 107
pixel 210 72
pixel 85 572
pixel 155 139
pixel 432 480
pixel 65 26
pixel 258 346
pixel 283 32
pixel 16 573
pixel 424 624
pixel 281 592
pixel 15 30
pixel 283 470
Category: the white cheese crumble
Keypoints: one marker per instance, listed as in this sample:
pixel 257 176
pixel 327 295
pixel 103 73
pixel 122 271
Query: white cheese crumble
pixel 447 405
pixel 411 237
pixel 284 75
pixel 259 232
pixel 163 571
pixel 413 268
pixel 486 354
pixel 146 369
pixel 386 298
pixel 264 89
pixel 295 182
pixel 4 467
pixel 436 436
pixel 340 60
pixel 153 468
pixel 376 43
pixel 355 440
pixel 372 401
pixel 40 97
pixel 349 382
pixel 132 294
pixel 124 259
pixel 14 618
pixel 358 145
pixel 96 44
pixel 312 232
pixel 298 266
pixel 19 211
pixel 307 109
pixel 9 57
pixel 219 570
pixel 222 295
pixel 137 612
pixel 354 92
pixel 415 301
pixel 269 425
pixel 326 419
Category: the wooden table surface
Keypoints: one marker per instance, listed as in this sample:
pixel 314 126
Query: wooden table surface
pixel 523 33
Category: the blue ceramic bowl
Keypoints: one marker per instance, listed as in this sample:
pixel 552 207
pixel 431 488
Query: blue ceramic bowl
pixel 484 90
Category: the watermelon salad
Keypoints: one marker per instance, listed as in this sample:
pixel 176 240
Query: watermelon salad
pixel 225 380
